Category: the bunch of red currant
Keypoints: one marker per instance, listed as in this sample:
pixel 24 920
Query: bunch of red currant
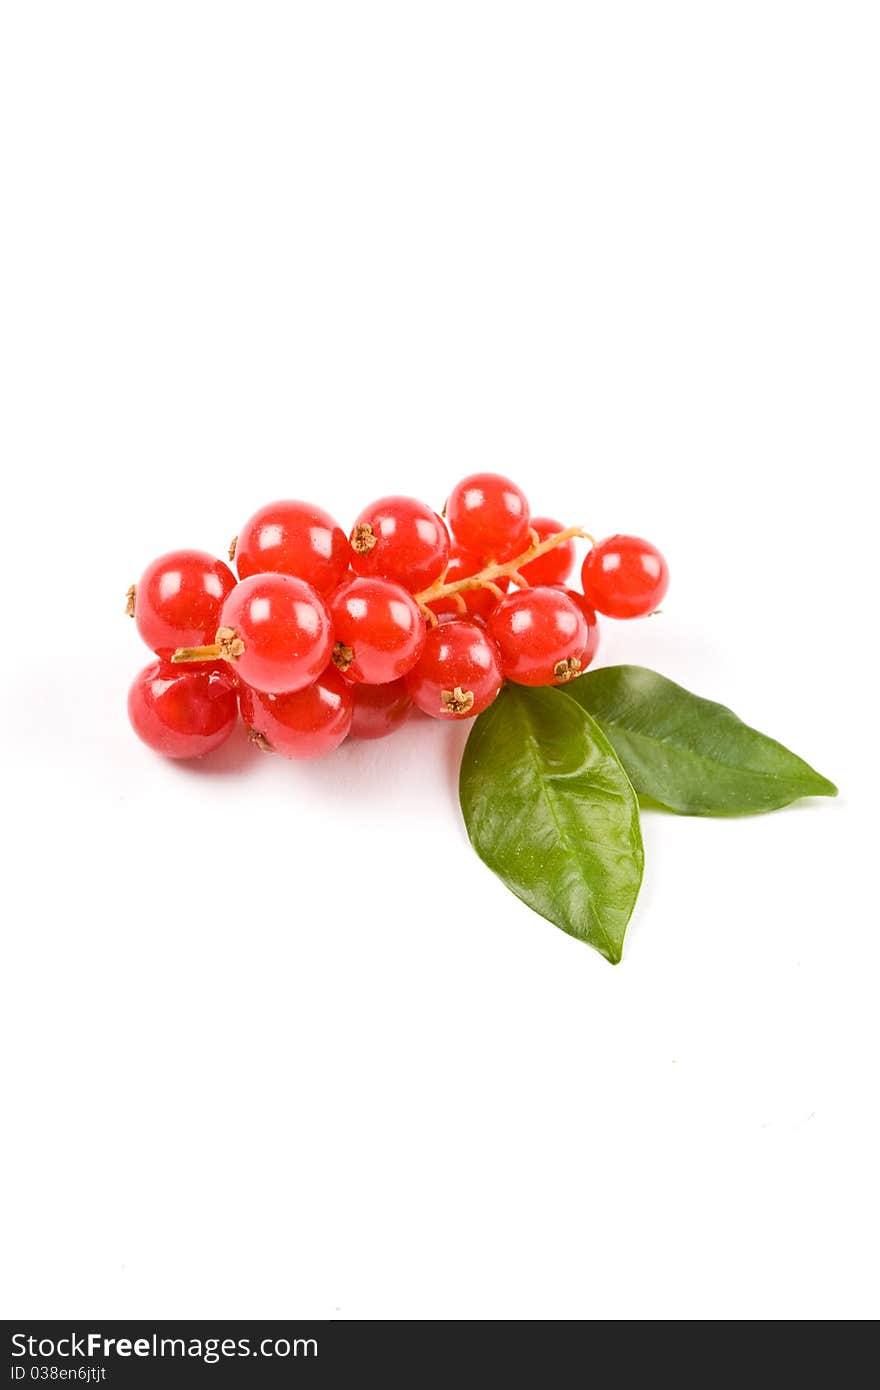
pixel 323 636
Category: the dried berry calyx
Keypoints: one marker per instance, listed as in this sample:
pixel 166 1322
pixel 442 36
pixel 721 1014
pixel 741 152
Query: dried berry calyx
pixel 342 657
pixel 230 644
pixel 363 539
pixel 457 701
pixel 567 669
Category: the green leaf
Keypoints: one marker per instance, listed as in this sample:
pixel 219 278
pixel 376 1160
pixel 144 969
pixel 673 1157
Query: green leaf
pixel 551 811
pixel 688 754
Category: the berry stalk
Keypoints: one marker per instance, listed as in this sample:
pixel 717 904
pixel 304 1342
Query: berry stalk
pixel 212 652
pixel 509 570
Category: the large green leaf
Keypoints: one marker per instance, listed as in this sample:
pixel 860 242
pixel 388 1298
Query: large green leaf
pixel 551 811
pixel 688 754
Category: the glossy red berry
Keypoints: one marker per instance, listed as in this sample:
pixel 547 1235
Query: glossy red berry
pixel 542 636
pixel 489 516
pixel 401 539
pixel 380 631
pixel 459 672
pixel 293 538
pixel 304 724
pixel 555 565
pixel 592 625
pixel 625 577
pixel 178 599
pixel 478 602
pixel 183 711
pixel 276 632
pixel 379 710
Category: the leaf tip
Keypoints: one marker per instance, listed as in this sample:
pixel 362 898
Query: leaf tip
pixel 820 786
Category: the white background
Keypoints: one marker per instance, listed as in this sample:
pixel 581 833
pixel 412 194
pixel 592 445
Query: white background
pixel 274 1041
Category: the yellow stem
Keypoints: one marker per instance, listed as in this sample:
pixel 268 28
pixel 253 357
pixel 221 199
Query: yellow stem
pixel 212 653
pixel 509 570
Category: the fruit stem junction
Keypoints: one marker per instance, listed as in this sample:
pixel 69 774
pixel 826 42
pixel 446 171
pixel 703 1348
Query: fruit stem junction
pixel 228 647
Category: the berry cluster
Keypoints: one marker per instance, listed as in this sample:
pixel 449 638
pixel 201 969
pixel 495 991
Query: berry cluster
pixel 323 636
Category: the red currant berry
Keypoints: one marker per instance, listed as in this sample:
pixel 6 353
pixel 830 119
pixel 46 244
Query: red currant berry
pixel 276 631
pixel 293 538
pixel 489 516
pixel 542 635
pixel 380 631
pixel 401 539
pixel 478 602
pixel 178 600
pixel 625 577
pixel 304 724
pixel 183 711
pixel 555 565
pixel 459 673
pixel 379 709
pixel 592 625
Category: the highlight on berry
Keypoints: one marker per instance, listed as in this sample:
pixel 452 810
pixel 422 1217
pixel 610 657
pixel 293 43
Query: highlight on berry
pixel 324 636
